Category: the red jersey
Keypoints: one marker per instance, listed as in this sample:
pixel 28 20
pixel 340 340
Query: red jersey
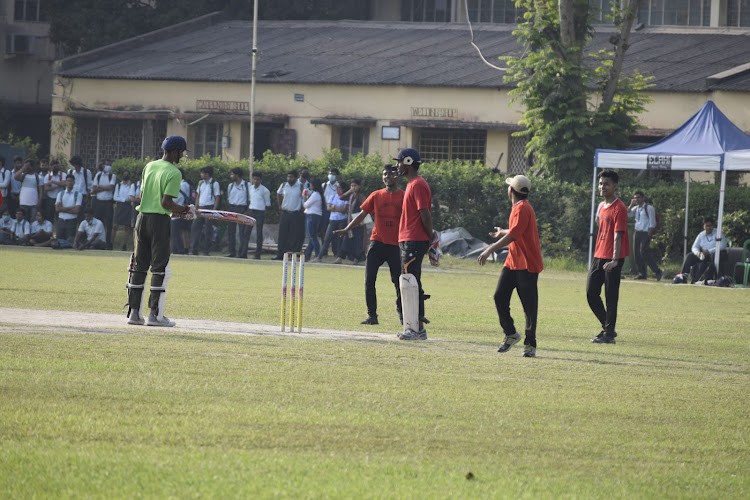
pixel 612 219
pixel 524 252
pixel 385 207
pixel 416 197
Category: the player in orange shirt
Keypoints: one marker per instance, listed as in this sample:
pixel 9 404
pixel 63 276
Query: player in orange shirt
pixel 609 254
pixel 385 207
pixel 522 266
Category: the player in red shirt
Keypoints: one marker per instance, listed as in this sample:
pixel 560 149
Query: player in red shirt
pixel 415 228
pixel 609 254
pixel 522 266
pixel 385 207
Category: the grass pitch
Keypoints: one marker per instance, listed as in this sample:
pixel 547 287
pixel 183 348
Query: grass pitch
pixel 160 412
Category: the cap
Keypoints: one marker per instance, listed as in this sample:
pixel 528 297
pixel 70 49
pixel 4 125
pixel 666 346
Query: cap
pixel 174 142
pixel 519 183
pixel 408 156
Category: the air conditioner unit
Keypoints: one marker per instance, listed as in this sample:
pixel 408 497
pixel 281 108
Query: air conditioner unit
pixel 19 44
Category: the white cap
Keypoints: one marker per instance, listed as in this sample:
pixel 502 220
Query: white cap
pixel 519 183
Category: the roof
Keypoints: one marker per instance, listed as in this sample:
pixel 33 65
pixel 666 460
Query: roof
pixel 213 49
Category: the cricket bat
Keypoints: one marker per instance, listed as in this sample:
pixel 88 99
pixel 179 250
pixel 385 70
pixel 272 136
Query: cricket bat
pixel 225 216
pixel 409 301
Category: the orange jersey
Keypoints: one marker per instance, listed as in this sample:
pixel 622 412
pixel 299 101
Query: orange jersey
pixel 524 252
pixel 385 207
pixel 612 219
pixel 416 197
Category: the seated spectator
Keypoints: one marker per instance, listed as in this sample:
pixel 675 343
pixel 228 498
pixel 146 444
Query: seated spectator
pixel 20 228
pixel 41 231
pixel 5 232
pixel 91 233
pixel 699 263
pixel 68 205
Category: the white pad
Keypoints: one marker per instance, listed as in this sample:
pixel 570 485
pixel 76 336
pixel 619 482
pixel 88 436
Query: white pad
pixel 409 301
pixel 163 295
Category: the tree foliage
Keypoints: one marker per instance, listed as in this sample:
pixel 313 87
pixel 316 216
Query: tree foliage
pixel 573 102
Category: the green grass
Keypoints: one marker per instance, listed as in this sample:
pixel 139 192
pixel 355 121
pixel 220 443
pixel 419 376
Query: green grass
pixel 164 413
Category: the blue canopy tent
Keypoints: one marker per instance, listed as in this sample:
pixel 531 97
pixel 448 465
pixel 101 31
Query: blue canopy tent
pixel 708 141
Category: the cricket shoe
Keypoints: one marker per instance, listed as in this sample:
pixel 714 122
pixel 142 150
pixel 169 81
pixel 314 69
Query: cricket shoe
pixel 529 351
pixel 604 339
pixel 154 321
pixel 371 320
pixel 412 335
pixel 509 341
pixel 135 318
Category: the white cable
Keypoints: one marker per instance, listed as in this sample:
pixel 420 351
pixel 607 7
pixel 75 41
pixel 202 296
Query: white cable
pixel 479 51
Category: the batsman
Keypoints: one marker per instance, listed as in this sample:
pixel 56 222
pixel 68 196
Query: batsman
pixel 151 236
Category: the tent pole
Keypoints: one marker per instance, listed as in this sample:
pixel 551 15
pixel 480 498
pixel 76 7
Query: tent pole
pixel 591 224
pixel 687 206
pixel 720 222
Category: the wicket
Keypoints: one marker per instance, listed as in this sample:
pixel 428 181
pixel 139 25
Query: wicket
pixel 297 261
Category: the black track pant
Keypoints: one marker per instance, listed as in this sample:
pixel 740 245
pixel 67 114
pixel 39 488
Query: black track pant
pixel 611 281
pixel 378 254
pixel 525 283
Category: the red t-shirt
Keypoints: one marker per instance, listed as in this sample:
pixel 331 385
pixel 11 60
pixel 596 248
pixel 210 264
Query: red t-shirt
pixel 416 197
pixel 524 252
pixel 612 219
pixel 385 207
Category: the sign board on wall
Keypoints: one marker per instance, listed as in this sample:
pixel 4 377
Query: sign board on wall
pixel 222 106
pixel 422 112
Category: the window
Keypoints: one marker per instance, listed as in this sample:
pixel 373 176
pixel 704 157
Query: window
pixel 29 10
pixel 517 161
pixel 207 139
pixel 495 11
pixel 353 141
pixel 438 11
pixel 738 13
pixel 449 144
pixel 675 12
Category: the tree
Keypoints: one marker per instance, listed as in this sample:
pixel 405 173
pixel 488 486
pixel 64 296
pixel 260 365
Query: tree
pixel 573 102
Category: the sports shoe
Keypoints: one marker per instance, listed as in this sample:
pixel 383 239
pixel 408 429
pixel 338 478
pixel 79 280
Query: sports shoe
pixel 135 318
pixel 509 341
pixel 604 339
pixel 412 335
pixel 529 351
pixel 371 320
pixel 154 321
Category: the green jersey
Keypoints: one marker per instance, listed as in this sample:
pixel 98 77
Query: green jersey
pixel 160 178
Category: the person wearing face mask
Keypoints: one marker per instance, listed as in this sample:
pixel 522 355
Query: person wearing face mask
pixel 102 190
pixel 54 182
pixel 123 209
pixel 329 189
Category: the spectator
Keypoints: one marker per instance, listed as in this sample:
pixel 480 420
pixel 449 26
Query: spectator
pixel 609 254
pixel 329 189
pixel 385 206
pixel 68 206
pixel 313 213
pixel 238 200
pixel 180 226
pixel 83 181
pixel 5 176
pixel 5 224
pixel 20 229
pixel 351 245
pixel 54 183
pixel 699 262
pixel 41 231
pixel 14 186
pixel 123 209
pixel 208 197
pixel 292 218
pixel 304 178
pixel 29 196
pixel 338 209
pixel 645 227
pixel 260 200
pixel 102 192
pixel 91 233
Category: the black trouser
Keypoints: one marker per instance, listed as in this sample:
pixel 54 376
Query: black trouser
pixel 642 254
pixel 377 254
pixel 104 210
pixel 525 283
pixel 351 248
pixel 151 248
pixel 201 233
pixel 260 217
pixel 611 281
pixel 232 233
pixel 331 239
pixel 702 269
pixel 412 253
pixel 48 208
pixel 66 229
pixel 291 232
pixel 177 227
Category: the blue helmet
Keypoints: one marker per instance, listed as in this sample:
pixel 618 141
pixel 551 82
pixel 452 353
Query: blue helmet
pixel 408 156
pixel 174 142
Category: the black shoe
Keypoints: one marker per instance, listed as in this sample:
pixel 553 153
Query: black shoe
pixel 658 275
pixel 242 256
pixel 371 320
pixel 231 255
pixel 640 277
pixel 604 339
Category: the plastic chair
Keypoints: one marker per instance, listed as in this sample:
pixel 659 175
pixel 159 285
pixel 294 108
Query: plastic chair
pixel 744 265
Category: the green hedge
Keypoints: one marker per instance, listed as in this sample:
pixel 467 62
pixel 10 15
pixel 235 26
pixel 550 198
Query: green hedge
pixel 469 195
